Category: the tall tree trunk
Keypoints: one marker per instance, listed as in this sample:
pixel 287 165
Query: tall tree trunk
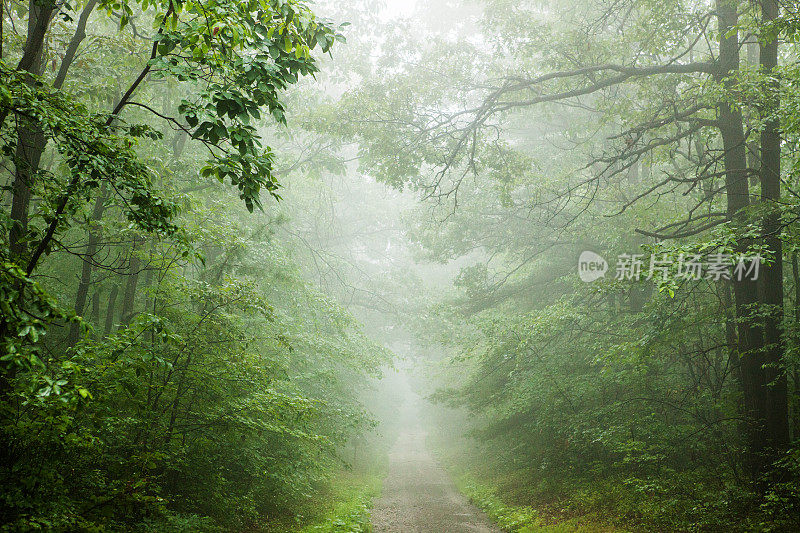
pixel 40 13
pixel 95 313
pixel 753 148
pixel 30 139
pixel 95 234
pixel 80 298
pixel 111 309
pixel 129 297
pixel 776 417
pixel 795 403
pixel 28 152
pixel 750 335
pixel 74 43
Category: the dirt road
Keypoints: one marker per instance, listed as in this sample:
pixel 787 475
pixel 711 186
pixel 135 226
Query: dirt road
pixel 419 497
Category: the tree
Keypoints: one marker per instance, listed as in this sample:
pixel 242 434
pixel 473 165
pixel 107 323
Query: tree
pixel 664 78
pixel 214 387
pixel 244 54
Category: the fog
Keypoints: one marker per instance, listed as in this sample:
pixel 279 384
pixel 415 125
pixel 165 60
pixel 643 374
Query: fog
pixel 399 266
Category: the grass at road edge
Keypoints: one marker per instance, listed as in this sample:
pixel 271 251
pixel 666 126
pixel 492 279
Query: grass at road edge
pixel 522 519
pixel 349 506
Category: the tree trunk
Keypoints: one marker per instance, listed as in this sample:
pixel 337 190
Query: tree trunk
pixel 129 298
pixel 111 308
pixel 795 403
pixel 28 152
pixel 95 234
pixel 753 149
pixel 95 313
pixel 74 43
pixel 750 336
pixel 30 139
pixel 30 144
pixel 776 418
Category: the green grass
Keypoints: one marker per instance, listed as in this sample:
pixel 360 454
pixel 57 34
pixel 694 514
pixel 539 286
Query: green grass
pixel 346 508
pixel 524 519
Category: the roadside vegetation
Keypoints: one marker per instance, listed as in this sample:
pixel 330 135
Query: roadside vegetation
pixel 347 507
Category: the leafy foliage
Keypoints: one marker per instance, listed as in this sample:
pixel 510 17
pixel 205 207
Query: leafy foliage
pixel 216 392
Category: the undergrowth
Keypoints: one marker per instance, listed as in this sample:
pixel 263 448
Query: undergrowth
pixel 346 507
pixel 523 519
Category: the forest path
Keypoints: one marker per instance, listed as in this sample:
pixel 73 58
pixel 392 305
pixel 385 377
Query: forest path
pixel 419 497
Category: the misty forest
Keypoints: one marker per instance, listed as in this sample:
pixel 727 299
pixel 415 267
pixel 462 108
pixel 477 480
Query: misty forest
pixel 430 266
